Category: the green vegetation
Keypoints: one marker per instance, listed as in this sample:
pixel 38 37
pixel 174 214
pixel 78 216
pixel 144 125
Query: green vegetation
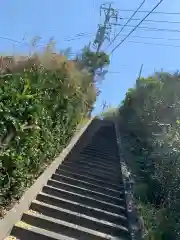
pixel 93 61
pixel 149 123
pixel 42 100
pixel 109 113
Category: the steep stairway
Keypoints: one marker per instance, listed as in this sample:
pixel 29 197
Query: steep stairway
pixel 83 199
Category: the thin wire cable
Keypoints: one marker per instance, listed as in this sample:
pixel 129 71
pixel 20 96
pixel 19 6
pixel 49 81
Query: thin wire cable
pixel 136 36
pixel 136 26
pixel 126 23
pixel 153 29
pixel 146 11
pixel 11 40
pixel 155 38
pixel 76 37
pixel 155 44
pixel 152 20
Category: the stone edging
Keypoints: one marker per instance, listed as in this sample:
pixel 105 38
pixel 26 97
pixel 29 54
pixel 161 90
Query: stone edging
pixel 134 225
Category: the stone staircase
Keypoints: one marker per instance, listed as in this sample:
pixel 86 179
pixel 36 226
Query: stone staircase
pixel 83 199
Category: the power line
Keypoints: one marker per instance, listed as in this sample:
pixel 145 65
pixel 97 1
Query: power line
pixel 76 37
pixel 152 20
pixel 155 38
pixel 136 26
pixel 126 23
pixel 11 40
pixel 156 44
pixel 79 35
pixel 110 72
pixel 146 11
pixel 133 36
pixel 145 37
pixel 152 28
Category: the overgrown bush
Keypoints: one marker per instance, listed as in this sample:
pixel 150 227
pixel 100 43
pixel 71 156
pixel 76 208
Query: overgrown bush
pixel 39 110
pixel 154 156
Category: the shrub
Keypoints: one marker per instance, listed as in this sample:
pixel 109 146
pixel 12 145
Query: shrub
pixel 154 159
pixel 39 109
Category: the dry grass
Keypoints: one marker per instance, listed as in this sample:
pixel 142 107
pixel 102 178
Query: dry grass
pixel 15 64
pixel 49 60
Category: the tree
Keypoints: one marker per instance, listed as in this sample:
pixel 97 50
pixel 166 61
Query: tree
pixel 93 61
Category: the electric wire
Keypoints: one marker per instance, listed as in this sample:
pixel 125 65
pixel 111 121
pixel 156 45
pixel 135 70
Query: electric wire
pixel 142 3
pixel 154 38
pixel 147 15
pixel 155 44
pixel 146 11
pixel 152 20
pixel 152 28
pixel 76 37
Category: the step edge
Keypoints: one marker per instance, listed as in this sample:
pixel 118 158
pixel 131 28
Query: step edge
pixel 83 205
pixel 44 232
pixel 96 200
pixel 93 179
pixel 90 168
pixel 85 189
pixel 93 219
pixel 92 184
pixel 69 225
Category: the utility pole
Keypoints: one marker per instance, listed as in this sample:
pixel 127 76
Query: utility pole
pixel 110 17
pixel 140 72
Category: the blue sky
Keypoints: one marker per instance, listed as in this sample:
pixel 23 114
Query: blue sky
pixel 23 20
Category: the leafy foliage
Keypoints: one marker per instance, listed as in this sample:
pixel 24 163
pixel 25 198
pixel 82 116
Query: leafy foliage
pixel 109 113
pixel 150 128
pixel 39 110
pixel 93 61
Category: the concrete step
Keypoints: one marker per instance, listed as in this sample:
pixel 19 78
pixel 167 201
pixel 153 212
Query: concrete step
pixel 105 134
pixel 103 172
pixel 109 141
pixel 90 201
pixel 102 151
pixel 35 233
pixel 62 227
pixel 97 165
pixel 104 158
pixel 85 191
pixel 93 180
pixel 80 219
pixel 99 147
pixel 107 145
pixel 103 138
pixel 97 160
pixel 87 185
pixel 95 174
pixel 100 144
pixel 83 208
